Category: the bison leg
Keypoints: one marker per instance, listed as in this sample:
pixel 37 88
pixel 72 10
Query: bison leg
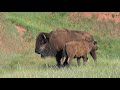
pixel 78 61
pixel 85 59
pixel 62 60
pixel 69 61
pixel 93 54
pixel 58 58
pixel 65 62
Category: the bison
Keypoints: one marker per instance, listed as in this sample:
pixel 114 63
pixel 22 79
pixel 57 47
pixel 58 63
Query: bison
pixel 77 49
pixel 52 44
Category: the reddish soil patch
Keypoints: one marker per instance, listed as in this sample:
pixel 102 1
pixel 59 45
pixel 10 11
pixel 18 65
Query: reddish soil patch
pixel 7 42
pixel 102 16
pixel 21 30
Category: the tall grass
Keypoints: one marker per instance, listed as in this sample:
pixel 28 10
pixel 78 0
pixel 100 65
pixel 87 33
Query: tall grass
pixel 26 63
pixel 105 68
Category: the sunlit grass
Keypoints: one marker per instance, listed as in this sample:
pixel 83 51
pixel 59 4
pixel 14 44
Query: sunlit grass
pixel 28 64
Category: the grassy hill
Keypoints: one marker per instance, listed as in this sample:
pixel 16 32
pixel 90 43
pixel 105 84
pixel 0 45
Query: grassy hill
pixel 18 58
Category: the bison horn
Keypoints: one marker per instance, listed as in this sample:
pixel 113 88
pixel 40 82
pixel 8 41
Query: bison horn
pixel 44 36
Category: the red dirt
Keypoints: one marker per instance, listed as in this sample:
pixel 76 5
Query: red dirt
pixel 21 30
pixel 102 16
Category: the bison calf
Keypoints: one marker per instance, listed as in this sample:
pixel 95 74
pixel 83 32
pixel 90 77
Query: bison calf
pixel 77 49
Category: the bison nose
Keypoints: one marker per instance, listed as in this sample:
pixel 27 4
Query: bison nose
pixel 37 51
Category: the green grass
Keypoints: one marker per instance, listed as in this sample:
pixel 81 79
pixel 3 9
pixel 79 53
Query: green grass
pixel 105 68
pixel 27 64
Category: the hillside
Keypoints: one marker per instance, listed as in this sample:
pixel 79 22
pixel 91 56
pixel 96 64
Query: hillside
pixel 18 31
pixel 101 16
pixel 32 24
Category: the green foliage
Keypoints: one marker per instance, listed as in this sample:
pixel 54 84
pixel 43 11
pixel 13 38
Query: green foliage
pixel 27 64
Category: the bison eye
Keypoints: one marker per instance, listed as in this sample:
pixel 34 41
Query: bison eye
pixel 43 41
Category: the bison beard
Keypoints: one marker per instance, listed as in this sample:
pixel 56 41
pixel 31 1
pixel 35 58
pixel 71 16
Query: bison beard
pixel 48 51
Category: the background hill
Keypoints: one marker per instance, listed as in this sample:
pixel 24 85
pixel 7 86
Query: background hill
pixel 18 31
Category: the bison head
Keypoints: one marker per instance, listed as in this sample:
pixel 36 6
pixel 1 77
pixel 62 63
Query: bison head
pixel 43 46
pixel 41 39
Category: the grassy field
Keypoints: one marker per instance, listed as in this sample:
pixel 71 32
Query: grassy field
pixel 18 59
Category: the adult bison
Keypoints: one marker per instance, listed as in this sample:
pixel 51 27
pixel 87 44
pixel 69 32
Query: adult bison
pixel 52 44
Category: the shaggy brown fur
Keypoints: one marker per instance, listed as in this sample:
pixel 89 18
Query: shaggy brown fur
pixel 55 41
pixel 77 49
